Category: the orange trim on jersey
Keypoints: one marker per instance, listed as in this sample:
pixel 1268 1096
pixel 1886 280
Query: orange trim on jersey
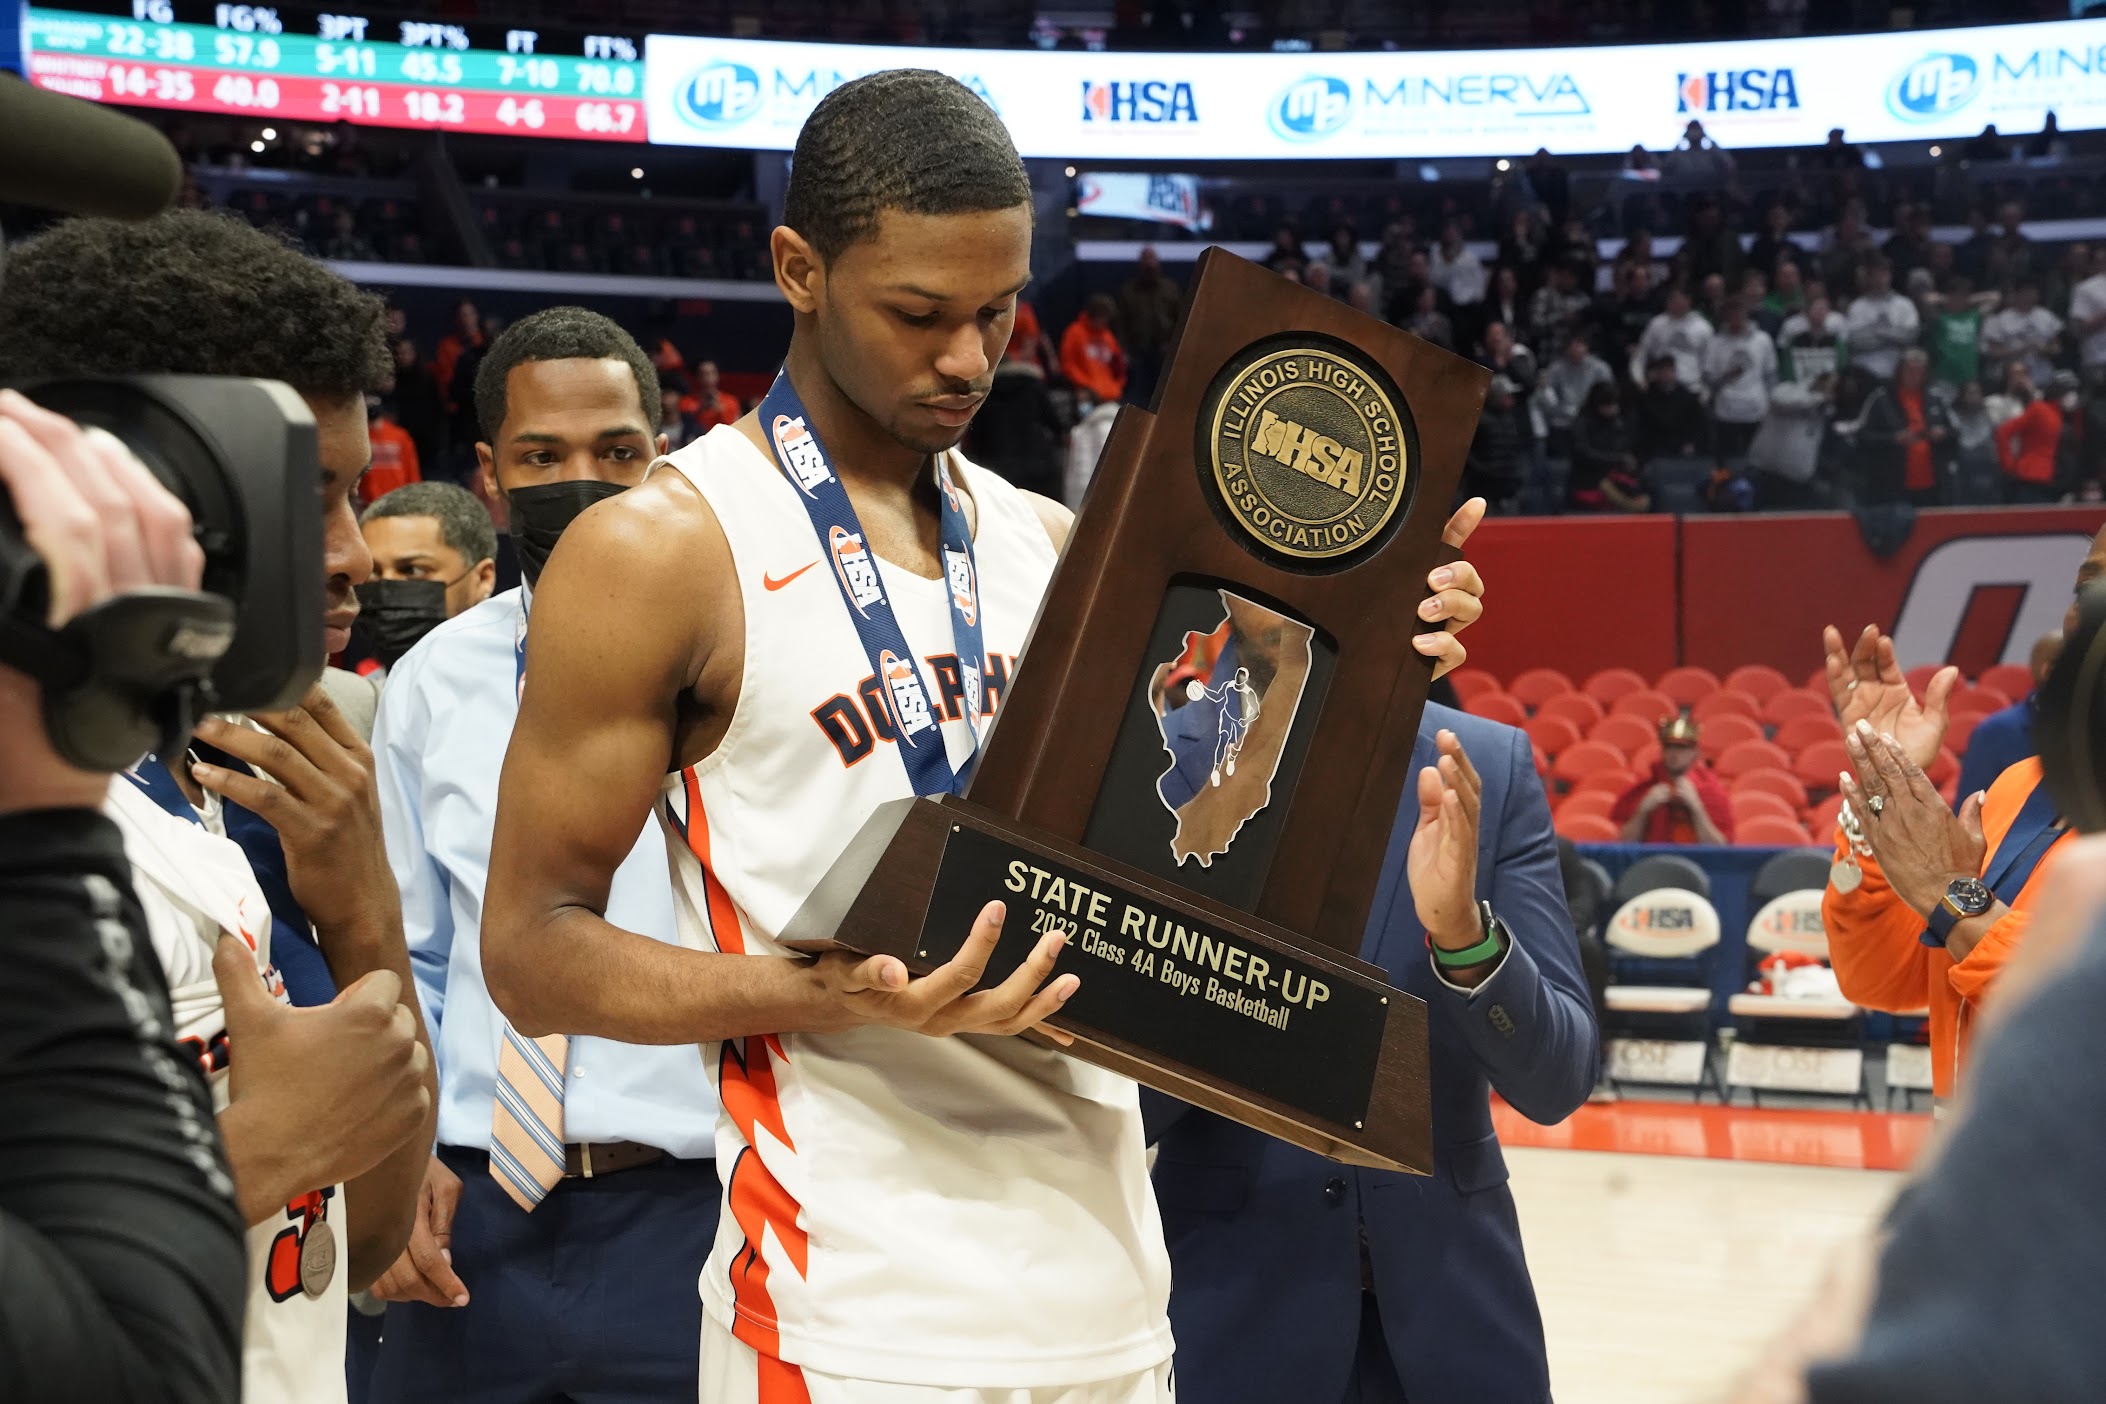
pixel 759 1203
pixel 723 914
pixel 746 1085
pixel 780 1382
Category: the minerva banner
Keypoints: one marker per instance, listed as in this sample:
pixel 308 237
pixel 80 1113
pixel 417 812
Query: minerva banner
pixel 1922 84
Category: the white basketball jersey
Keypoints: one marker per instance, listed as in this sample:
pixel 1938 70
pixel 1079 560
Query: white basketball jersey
pixel 194 884
pixel 969 1211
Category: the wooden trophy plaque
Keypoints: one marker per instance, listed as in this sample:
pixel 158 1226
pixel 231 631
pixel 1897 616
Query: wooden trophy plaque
pixel 1199 762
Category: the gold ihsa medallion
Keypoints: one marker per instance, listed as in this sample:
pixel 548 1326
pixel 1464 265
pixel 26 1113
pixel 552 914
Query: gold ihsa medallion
pixel 1308 451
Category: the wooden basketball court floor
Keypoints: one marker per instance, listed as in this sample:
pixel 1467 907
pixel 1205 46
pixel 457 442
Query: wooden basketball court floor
pixel 1671 1243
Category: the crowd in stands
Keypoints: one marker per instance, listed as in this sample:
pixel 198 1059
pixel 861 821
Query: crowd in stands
pixel 1825 341
pixel 1783 355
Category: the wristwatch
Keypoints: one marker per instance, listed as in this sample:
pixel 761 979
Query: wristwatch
pixel 1964 898
pixel 1492 945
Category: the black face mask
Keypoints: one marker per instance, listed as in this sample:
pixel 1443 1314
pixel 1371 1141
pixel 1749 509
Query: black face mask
pixel 541 512
pixel 394 614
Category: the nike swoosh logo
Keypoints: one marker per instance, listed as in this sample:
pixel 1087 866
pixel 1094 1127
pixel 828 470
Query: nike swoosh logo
pixel 769 582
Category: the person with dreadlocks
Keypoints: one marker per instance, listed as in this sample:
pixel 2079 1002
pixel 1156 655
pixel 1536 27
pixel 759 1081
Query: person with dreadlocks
pixel 792 621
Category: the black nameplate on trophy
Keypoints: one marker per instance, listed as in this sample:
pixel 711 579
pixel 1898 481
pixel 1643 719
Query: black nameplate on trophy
pixel 1157 977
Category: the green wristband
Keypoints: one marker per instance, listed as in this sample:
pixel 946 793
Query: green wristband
pixel 1492 944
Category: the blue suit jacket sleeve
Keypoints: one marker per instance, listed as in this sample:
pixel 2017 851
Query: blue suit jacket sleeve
pixel 1531 1025
pixel 2000 741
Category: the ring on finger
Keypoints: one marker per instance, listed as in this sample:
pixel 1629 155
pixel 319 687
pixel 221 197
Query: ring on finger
pixel 1877 804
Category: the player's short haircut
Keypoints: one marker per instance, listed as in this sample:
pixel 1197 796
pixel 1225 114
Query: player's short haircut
pixel 464 523
pixel 187 293
pixel 561 334
pixel 907 139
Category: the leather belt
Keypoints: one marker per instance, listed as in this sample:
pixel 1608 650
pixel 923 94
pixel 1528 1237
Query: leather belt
pixel 585 1161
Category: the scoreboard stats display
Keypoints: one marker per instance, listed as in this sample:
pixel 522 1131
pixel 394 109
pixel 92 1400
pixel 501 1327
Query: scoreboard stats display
pixel 323 66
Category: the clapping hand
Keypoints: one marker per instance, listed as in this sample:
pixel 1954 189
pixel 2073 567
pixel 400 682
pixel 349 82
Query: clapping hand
pixel 1441 867
pixel 1921 845
pixel 1866 684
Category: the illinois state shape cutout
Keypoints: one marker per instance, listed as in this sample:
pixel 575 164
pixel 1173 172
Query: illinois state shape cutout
pixel 1226 705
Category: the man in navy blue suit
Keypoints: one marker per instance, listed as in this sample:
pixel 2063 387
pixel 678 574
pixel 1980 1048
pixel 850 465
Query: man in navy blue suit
pixel 1298 1279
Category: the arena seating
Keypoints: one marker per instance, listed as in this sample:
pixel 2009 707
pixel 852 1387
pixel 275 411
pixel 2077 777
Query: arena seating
pixel 1778 747
pixel 617 234
pixel 356 219
pixel 1663 941
pixel 1790 1042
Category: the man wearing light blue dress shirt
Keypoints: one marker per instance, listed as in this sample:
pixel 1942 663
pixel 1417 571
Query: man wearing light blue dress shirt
pixel 584 1287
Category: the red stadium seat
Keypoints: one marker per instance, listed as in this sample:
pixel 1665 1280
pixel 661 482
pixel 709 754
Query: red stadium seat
pixel 1817 680
pixel 1498 707
pixel 1727 703
pixel 1473 682
pixel 1970 704
pixel 1979 701
pixel 1688 686
pixel 1647 706
pixel 1919 677
pixel 1759 680
pixel 1722 733
pixel 1645 758
pixel 1960 730
pixel 1610 782
pixel 1821 819
pixel 1542 762
pixel 1768 831
pixel 1744 756
pixel 2013 680
pixel 1625 732
pixel 1587 802
pixel 1538 685
pixel 1787 705
pixel 1800 732
pixel 1584 758
pixel 1819 764
pixel 1749 803
pixel 1610 684
pixel 1576 707
pixel 1777 782
pixel 1945 770
pixel 1553 734
pixel 1587 828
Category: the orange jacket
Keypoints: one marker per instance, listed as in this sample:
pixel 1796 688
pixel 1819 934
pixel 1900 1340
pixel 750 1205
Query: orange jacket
pixel 1880 962
pixel 1093 363
pixel 2028 443
pixel 394 462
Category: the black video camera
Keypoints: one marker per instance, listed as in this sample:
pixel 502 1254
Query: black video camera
pixel 135 673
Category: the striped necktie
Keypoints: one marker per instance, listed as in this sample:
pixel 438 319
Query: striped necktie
pixel 526 1121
